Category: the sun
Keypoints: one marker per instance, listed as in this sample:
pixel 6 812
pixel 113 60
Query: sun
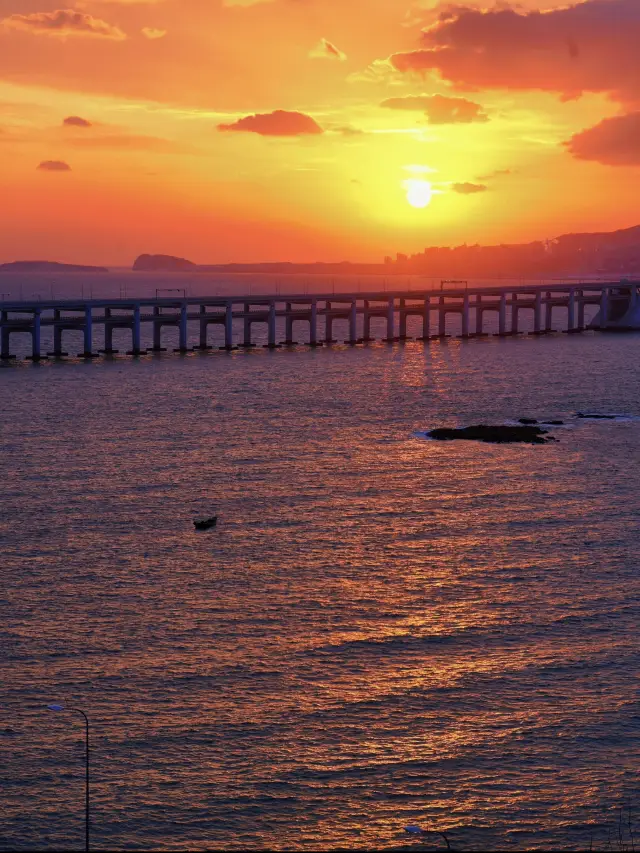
pixel 419 192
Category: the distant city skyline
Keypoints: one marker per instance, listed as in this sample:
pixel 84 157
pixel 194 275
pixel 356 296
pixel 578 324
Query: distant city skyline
pixel 232 130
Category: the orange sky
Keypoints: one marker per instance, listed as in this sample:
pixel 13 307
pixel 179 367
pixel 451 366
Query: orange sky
pixel 236 130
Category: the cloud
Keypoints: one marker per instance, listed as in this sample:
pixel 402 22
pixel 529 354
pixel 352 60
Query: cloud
pixel 326 50
pixel 590 46
pixel 439 109
pixel 54 166
pixel 613 142
pixel 63 23
pixel 244 2
pixel 277 123
pixel 152 33
pixel 76 121
pixel 468 188
pixel 497 173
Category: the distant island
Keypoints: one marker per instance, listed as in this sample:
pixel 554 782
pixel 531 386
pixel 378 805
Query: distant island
pixel 162 263
pixel 47 266
pixel 606 253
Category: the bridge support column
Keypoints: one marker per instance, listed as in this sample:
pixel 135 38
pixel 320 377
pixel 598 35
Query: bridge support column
pixel 36 354
pixel 271 338
pixel 402 332
pixel 571 311
pixel 390 320
pixel 88 335
pixel 426 319
pixel 548 314
pixel 5 355
pixel 228 327
pixel 204 328
pixel 108 333
pixel 465 316
pixel 57 336
pixel 502 315
pixel 313 325
pixel 479 315
pixel 246 341
pixel 514 313
pixel 353 329
pixel 328 325
pixel 157 332
pixel 366 323
pixel 537 314
pixel 135 333
pixel 604 308
pixel 288 337
pixel 182 330
pixel 442 319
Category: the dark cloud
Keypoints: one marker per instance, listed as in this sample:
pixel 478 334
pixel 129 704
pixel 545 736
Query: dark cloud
pixel 63 22
pixel 54 166
pixel 614 142
pixel 468 188
pixel 590 46
pixel 439 109
pixel 76 121
pixel 277 123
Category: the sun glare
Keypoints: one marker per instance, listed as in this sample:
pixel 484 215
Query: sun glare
pixel 419 192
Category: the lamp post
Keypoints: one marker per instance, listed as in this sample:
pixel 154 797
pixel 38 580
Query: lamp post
pixel 86 723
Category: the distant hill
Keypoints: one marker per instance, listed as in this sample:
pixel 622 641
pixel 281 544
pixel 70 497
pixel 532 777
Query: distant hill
pixel 162 263
pixel 615 253
pixel 47 266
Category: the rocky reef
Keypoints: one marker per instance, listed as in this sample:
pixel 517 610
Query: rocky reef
pixel 500 434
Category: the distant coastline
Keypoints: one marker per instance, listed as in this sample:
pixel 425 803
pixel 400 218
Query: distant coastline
pixel 48 266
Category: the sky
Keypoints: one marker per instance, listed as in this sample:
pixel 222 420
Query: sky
pixel 312 130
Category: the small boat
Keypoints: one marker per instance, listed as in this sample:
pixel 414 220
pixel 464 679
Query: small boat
pixel 205 523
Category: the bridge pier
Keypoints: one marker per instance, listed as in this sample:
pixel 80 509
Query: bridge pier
pixel 548 314
pixel 390 321
pixel 353 329
pixel 182 330
pixel 402 318
pixel 157 332
pixel 313 325
pixel 108 334
pixel 57 336
pixel 246 340
pixel 366 323
pixel 228 328
pixel 571 312
pixel 36 355
pixel 328 325
pixel 288 325
pixel 465 316
pixel 135 333
pixel 271 330
pixel 203 346
pixel 537 315
pixel 502 316
pixel 88 335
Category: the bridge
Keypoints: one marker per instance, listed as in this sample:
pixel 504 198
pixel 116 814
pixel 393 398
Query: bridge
pixel 617 303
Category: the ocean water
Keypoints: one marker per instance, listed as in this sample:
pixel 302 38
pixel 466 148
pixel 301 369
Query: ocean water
pixel 382 631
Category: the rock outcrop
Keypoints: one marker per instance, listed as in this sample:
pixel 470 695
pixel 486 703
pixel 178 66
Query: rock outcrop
pixel 493 434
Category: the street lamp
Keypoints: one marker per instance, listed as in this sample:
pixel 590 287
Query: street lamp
pixel 86 722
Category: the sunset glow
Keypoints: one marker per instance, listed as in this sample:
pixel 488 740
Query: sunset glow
pixel 222 130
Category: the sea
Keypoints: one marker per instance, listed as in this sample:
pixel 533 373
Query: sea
pixel 382 633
